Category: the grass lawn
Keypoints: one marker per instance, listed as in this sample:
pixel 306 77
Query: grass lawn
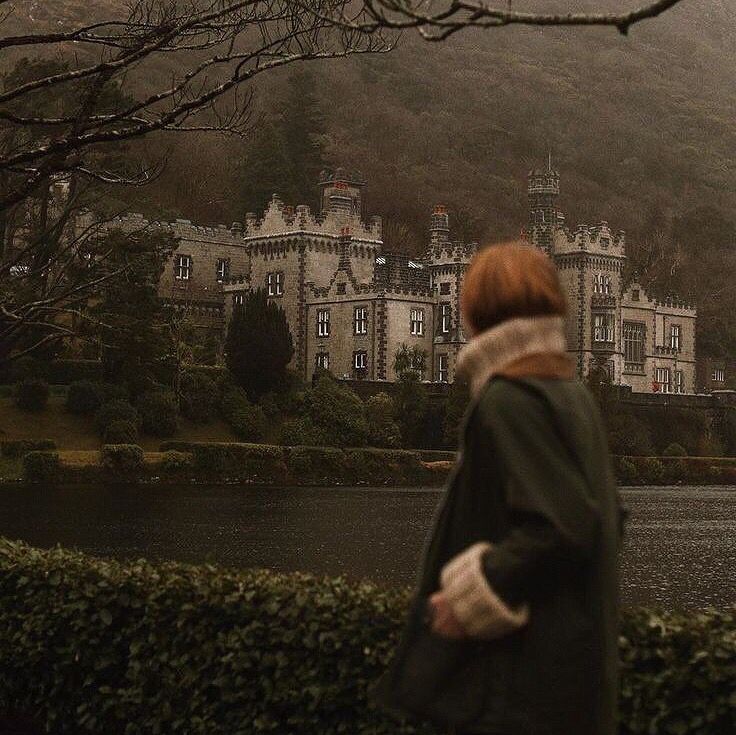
pixel 77 432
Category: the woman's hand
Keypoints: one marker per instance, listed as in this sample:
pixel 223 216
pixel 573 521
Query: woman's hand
pixel 444 623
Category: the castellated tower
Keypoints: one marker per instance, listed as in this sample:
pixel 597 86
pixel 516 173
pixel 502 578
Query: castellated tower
pixel 544 216
pixel 341 192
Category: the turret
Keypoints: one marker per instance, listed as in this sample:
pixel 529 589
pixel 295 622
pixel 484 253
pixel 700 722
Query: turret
pixel 543 189
pixel 341 192
pixel 439 229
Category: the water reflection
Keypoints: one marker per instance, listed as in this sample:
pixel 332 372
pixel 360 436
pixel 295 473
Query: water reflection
pixel 680 548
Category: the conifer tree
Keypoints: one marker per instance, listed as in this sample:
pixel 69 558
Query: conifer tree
pixel 259 345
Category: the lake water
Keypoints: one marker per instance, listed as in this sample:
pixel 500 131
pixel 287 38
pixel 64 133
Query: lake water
pixel 680 548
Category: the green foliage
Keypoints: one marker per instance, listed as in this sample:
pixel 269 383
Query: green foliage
pixel 410 410
pixel 258 346
pixel 84 397
pixel 27 367
pixel 301 431
pixel 287 152
pixel 174 461
pixel 198 397
pixel 247 420
pixel 115 410
pixel 90 645
pixel 121 458
pixel 675 450
pixel 684 426
pixel 457 402
pixel 627 433
pixel 626 471
pixel 383 431
pixel 159 411
pixel 32 394
pixel 410 362
pixel 336 413
pixel 651 470
pixel 40 466
pixel 14 448
pixel 121 432
pixel 135 341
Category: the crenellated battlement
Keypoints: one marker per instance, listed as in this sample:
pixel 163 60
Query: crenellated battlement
pixel 599 238
pixel 280 219
pixel 181 228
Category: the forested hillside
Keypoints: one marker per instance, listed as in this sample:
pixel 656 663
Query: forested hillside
pixel 641 128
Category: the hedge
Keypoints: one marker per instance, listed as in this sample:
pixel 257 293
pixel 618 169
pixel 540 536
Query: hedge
pixel 41 466
pixel 14 448
pixel 93 646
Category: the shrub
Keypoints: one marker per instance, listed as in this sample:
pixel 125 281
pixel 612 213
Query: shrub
pixel 94 645
pixel 121 457
pixel 301 432
pixel 121 432
pixel 684 426
pixel 115 410
pixel 159 412
pixel 32 394
pixel 14 448
pixel 675 450
pixel 336 413
pixel 383 431
pixel 270 405
pixel 628 434
pixel 84 397
pixel 247 420
pixel 40 466
pixel 651 470
pixel 626 471
pixel 410 410
pixel 174 461
pixel 198 397
pixel 69 371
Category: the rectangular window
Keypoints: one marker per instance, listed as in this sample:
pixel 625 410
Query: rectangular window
pixel 634 342
pixel 675 337
pixel 360 320
pixel 275 283
pixel 719 375
pixel 662 380
pixel 603 330
pixel 445 289
pixel 445 318
pixel 238 299
pixel 635 294
pixel 323 322
pixel 183 267
pixel 679 381
pixel 416 322
pixel 222 270
pixel 442 371
pixel 596 283
pixel 360 360
pixel 322 360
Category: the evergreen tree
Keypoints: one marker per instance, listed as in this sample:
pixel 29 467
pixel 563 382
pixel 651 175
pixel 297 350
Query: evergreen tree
pixel 287 153
pixel 258 346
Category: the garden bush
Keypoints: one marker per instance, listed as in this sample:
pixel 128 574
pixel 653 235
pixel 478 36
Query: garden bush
pixel 40 466
pixel 115 410
pixel 121 432
pixel 198 397
pixel 627 433
pixel 121 457
pixel 84 397
pixel 626 471
pixel 383 431
pixel 674 450
pixel 32 394
pixel 336 413
pixel 249 423
pixel 301 431
pixel 159 413
pixel 100 646
pixel 651 470
pixel 174 461
pixel 14 448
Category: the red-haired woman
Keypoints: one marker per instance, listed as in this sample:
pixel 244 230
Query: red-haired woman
pixel 514 627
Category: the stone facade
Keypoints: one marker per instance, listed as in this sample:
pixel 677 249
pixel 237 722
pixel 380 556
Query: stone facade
pixel 352 306
pixel 641 342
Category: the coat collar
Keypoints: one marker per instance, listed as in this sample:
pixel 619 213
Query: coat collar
pixel 523 347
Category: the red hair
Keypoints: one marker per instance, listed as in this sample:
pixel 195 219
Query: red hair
pixel 509 281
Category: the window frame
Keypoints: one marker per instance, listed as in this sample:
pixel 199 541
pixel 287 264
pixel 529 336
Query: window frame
pixel 360 321
pixel 323 323
pixel 676 337
pixel 664 387
pixel 360 356
pixel 275 283
pixel 631 328
pixel 182 271
pixel 607 328
pixel 322 360
pixel 443 368
pixel 445 317
pixel 416 321
pixel 222 274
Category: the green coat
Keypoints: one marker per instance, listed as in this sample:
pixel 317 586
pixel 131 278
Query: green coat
pixel 534 478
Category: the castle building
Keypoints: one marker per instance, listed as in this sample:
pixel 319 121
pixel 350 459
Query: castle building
pixel 352 305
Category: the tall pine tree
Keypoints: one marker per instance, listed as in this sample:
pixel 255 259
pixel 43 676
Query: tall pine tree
pixel 258 346
pixel 287 152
